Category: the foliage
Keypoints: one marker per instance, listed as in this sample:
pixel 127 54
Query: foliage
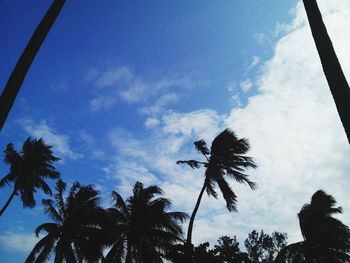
pixel 228 250
pixel 29 169
pixel 225 159
pixel 326 239
pixel 262 247
pixel 76 232
pixel 141 228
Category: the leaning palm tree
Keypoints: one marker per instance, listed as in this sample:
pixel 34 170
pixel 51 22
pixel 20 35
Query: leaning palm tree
pixel 226 159
pixel 332 69
pixel 326 239
pixel 28 171
pixel 141 229
pixel 19 73
pixel 76 235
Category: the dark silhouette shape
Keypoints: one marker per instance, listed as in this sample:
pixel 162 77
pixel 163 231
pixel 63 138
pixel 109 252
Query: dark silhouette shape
pixel 326 239
pixel 330 63
pixel 228 250
pixel 141 228
pixel 226 158
pixel 262 247
pixel 201 253
pixel 28 170
pixel 19 73
pixel 76 234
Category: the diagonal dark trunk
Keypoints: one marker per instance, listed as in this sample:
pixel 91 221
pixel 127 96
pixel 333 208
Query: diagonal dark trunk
pixel 188 245
pixel 128 258
pixel 7 203
pixel 18 75
pixel 330 63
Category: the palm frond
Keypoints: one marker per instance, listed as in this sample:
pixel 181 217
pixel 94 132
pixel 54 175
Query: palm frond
pixel 210 186
pixel 51 211
pixel 10 177
pixel 11 156
pixel 229 196
pixel 119 203
pixel 117 252
pixel 178 216
pixel 241 178
pixel 60 188
pixel 50 228
pixel 201 146
pixel 192 163
pixel 44 244
pixel 41 184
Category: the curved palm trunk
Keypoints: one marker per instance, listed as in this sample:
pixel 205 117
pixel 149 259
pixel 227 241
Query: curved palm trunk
pixel 188 245
pixel 7 203
pixel 128 254
pixel 330 63
pixel 18 75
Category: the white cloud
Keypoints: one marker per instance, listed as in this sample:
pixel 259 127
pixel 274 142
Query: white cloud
pixel 61 143
pixel 294 131
pixel 246 85
pixel 202 123
pixel 121 84
pixel 254 63
pixel 160 104
pixel 18 242
pixel 112 76
pixel 151 122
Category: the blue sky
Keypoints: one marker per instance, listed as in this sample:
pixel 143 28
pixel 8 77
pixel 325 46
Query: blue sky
pixel 121 89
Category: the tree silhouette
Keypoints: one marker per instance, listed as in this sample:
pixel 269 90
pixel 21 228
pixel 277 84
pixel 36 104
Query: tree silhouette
pixel 142 229
pixel 19 73
pixel 228 250
pixel 28 171
pixel 76 235
pixel 262 247
pixel 225 159
pixel 326 239
pixel 330 63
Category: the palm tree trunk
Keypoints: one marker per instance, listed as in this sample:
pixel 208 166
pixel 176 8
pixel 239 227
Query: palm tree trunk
pixel 18 75
pixel 188 245
pixel 128 254
pixel 330 63
pixel 7 203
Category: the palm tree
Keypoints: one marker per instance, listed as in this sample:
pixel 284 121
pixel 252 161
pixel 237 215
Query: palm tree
pixel 225 159
pixel 326 239
pixel 28 171
pixel 142 230
pixel 330 63
pixel 19 73
pixel 76 235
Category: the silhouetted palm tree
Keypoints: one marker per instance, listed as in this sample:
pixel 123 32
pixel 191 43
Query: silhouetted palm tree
pixel 141 228
pixel 330 63
pixel 76 235
pixel 326 239
pixel 225 159
pixel 28 170
pixel 18 75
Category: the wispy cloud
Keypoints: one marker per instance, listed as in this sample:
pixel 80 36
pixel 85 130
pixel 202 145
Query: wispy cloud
pixel 254 63
pixel 18 242
pixel 122 84
pixel 60 142
pixel 246 85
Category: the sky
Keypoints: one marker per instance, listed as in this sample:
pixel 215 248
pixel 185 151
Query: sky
pixel 122 89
